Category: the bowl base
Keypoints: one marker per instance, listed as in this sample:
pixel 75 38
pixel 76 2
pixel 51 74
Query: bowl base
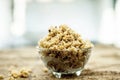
pixel 59 74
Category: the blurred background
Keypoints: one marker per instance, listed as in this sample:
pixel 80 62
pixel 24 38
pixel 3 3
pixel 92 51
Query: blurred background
pixel 24 22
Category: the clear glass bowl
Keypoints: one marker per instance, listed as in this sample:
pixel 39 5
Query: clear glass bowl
pixel 64 62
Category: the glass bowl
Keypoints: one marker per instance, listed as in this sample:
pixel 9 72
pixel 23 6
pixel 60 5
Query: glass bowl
pixel 61 62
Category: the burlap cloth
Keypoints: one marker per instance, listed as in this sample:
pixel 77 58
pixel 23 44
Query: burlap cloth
pixel 104 64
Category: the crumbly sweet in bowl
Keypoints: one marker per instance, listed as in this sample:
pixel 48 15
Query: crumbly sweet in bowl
pixel 64 51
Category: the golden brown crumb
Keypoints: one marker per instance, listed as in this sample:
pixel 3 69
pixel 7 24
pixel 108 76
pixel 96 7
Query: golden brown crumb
pixel 1 77
pixel 25 73
pixel 45 70
pixel 15 73
pixel 63 37
pixel 66 49
pixel 12 78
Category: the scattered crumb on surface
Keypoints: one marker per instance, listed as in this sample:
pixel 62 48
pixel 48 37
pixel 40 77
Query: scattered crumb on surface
pixel 15 73
pixel 45 70
pixel 22 73
pixel 12 78
pixel 25 73
pixel 1 77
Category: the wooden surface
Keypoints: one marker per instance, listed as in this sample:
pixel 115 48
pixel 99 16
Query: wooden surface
pixel 104 64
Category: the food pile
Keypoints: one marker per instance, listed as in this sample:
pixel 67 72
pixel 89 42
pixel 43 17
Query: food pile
pixel 63 49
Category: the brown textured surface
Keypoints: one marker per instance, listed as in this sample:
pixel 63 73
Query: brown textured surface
pixel 104 64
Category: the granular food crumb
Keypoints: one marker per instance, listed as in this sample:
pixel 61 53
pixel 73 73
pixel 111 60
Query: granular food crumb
pixel 45 70
pixel 23 73
pixel 1 77
pixel 64 38
pixel 64 49
pixel 12 78
pixel 15 73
